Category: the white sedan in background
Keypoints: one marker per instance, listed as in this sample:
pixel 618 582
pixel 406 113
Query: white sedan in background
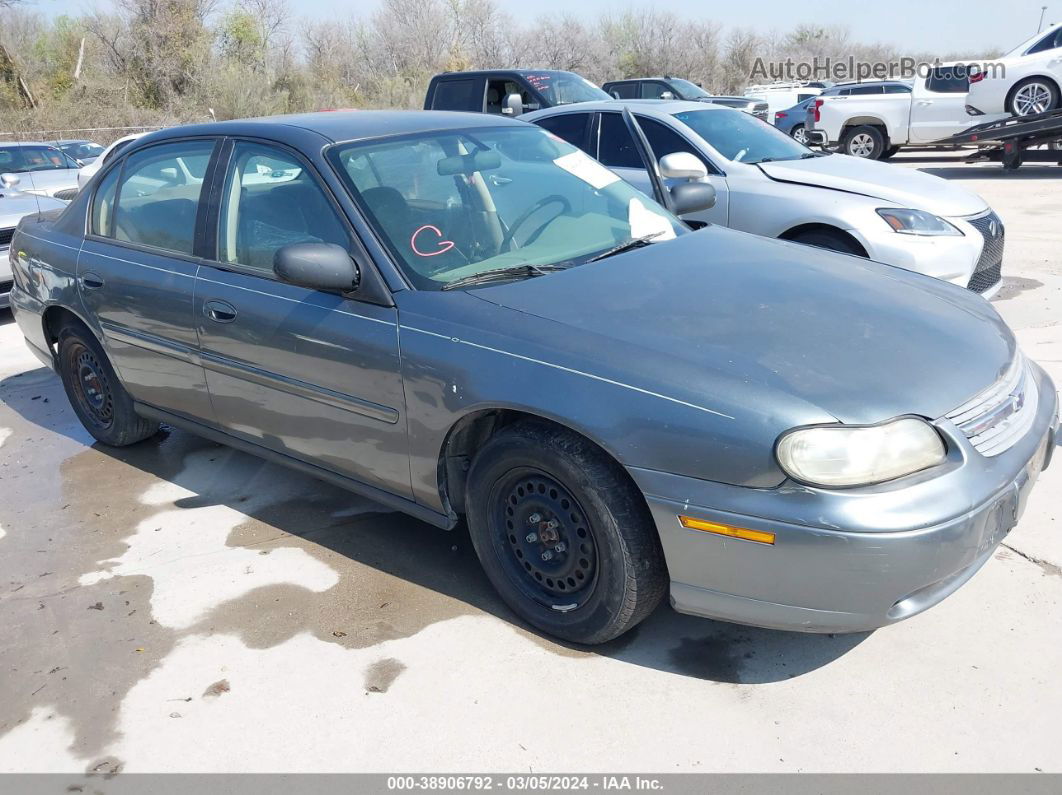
pixel 1025 81
pixel 768 184
pixel 85 173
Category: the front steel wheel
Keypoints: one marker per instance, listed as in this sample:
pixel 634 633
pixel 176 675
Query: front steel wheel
pixel 565 537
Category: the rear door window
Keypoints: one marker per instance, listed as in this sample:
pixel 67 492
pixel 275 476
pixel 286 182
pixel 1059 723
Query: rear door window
pixel 570 127
pixel 158 195
pixel 624 90
pixel 465 93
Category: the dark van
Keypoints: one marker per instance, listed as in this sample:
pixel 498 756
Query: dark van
pixel 509 92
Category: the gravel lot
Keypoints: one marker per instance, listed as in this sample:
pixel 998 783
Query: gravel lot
pixel 177 606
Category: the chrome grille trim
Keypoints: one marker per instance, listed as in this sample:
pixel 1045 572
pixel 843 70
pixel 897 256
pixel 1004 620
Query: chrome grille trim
pixel 996 418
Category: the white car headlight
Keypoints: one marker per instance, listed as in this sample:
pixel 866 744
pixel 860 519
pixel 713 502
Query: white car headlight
pixel 835 455
pixel 917 222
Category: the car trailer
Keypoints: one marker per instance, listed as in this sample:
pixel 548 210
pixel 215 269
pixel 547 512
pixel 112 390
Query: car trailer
pixel 1009 138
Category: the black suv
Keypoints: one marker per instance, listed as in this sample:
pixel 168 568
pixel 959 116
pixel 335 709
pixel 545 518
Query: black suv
pixel 509 92
pixel 677 88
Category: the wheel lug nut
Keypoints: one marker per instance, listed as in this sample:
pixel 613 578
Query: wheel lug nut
pixel 551 524
pixel 531 538
pixel 534 518
pixel 559 548
pixel 547 555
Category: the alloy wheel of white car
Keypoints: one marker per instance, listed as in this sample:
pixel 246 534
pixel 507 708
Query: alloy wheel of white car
pixel 1034 97
pixel 861 145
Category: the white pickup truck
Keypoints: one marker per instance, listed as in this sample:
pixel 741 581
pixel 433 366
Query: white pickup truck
pixel 875 126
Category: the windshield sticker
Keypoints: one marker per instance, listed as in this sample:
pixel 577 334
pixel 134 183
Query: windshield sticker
pixel 587 169
pixel 441 246
pixel 646 223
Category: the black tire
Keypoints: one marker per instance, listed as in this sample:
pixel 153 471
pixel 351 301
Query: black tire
pixel 95 393
pixel 533 480
pixel 834 241
pixel 1033 95
pixel 865 141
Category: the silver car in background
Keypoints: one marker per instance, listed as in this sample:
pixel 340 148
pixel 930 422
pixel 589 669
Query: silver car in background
pixel 14 206
pixel 42 169
pixel 771 185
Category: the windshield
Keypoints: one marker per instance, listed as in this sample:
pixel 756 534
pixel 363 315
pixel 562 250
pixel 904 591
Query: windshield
pixel 33 158
pixel 687 89
pixel 565 88
pixel 741 137
pixel 82 150
pixel 456 203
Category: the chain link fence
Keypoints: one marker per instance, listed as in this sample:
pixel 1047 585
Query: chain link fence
pixel 100 135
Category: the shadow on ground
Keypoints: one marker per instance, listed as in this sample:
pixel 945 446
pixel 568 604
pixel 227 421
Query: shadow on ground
pixel 439 566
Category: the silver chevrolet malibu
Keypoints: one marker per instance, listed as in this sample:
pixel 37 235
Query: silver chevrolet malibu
pixel 466 317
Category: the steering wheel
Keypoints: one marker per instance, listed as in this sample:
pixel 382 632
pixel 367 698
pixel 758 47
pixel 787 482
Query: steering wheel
pixel 507 241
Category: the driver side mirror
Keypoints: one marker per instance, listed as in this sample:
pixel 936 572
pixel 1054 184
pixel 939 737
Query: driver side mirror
pixel 692 197
pixel 9 180
pixel 514 105
pixel 318 266
pixel 667 95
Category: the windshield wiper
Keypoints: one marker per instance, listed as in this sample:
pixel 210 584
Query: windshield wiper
pixel 525 271
pixel 627 245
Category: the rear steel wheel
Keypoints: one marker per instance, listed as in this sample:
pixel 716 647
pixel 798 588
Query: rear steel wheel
pixel 95 392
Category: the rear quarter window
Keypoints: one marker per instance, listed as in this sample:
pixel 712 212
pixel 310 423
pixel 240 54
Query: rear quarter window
pixel 461 94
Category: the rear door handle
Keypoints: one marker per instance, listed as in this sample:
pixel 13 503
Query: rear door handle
pixel 91 281
pixel 220 311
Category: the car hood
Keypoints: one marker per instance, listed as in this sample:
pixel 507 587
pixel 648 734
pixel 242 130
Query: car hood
pixel 768 328
pixel 16 204
pixel 48 181
pixel 905 187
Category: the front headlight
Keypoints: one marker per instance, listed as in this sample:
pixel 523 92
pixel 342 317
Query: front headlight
pixel 835 455
pixel 917 222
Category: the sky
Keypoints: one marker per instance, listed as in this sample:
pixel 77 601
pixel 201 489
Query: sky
pixel 918 25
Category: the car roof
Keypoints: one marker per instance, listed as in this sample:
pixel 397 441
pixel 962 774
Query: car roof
pixel 335 126
pixel 521 72
pixel 651 107
pixel 26 143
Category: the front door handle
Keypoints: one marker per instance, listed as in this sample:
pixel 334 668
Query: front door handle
pixel 91 281
pixel 219 311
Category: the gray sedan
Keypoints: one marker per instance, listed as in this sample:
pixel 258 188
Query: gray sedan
pixel 466 317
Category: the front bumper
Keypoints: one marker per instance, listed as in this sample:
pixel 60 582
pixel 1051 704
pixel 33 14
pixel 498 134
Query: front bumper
pixel 5 277
pixel 847 560
pixel 973 260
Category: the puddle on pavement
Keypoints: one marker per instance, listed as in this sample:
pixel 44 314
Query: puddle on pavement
pixel 1014 286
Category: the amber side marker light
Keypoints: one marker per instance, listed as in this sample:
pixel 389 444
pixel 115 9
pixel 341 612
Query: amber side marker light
pixel 759 536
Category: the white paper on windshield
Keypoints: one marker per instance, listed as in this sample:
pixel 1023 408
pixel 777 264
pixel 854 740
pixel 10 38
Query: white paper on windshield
pixel 644 222
pixel 587 169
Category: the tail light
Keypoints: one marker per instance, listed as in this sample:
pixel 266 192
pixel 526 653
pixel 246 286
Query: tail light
pixel 779 115
pixel 977 77
pixel 818 104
